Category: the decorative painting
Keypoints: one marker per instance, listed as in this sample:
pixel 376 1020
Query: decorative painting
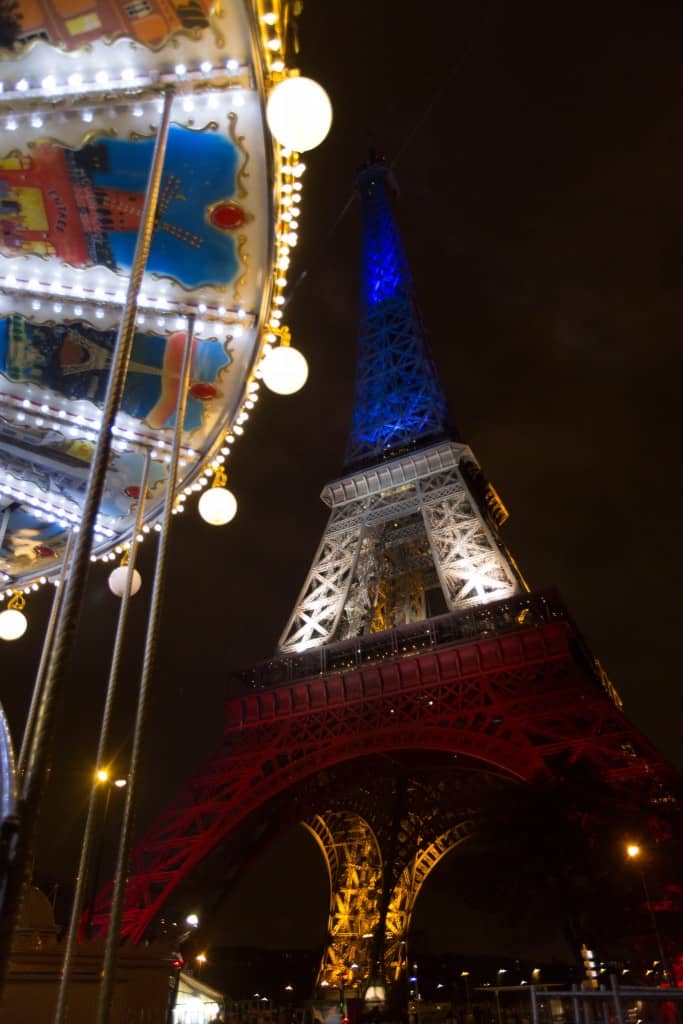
pixel 71 360
pixel 84 206
pixel 71 23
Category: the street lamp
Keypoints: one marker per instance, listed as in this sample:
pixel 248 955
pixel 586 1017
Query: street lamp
pixel 465 975
pixel 103 778
pixel 633 852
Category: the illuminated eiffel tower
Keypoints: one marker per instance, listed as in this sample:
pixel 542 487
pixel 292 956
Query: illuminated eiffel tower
pixel 415 674
pixel 413 527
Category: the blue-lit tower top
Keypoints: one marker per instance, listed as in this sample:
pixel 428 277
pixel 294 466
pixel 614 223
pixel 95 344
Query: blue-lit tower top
pixel 398 403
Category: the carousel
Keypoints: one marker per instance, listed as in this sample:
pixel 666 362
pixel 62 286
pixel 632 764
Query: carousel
pixel 151 184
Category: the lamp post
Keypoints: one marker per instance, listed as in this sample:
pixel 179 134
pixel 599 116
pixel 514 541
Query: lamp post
pixel 102 776
pixel 633 852
pixel 465 976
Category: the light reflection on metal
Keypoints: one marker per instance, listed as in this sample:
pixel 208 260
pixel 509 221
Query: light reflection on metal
pixel 356 870
pixel 447 544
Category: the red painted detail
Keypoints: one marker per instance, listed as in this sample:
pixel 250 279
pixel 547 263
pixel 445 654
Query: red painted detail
pixel 514 702
pixel 133 491
pixel 203 391
pixel 227 216
pixel 43 551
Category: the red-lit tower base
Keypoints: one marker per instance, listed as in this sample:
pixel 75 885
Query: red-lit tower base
pixel 525 699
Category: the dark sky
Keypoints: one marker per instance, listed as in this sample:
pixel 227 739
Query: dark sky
pixel 539 150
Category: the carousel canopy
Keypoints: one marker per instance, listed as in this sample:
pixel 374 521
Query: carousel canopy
pixel 81 98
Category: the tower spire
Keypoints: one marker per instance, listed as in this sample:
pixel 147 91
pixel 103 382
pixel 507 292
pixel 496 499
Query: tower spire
pixel 398 403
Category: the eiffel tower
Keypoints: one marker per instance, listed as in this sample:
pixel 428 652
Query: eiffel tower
pixel 416 674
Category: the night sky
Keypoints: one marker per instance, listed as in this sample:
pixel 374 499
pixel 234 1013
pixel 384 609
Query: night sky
pixel 539 152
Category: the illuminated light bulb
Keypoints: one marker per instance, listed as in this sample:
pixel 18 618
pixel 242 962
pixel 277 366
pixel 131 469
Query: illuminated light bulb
pixel 217 506
pixel 284 370
pixel 232 64
pixel 206 66
pixel 87 116
pixel 137 111
pixel 22 85
pixel 117 581
pixel 128 74
pixel 277 66
pixel 49 83
pixel 102 77
pixel 180 69
pixel 11 126
pixel 75 80
pixel 13 622
pixel 299 114
pixel 274 44
pixel 269 18
pixel 36 121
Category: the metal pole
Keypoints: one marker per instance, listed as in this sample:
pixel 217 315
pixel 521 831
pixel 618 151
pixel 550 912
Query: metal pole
pixel 30 726
pixel 39 762
pixel 100 762
pixel 617 999
pixel 121 876
pixel 97 866
pixel 534 1005
pixel 660 947
pixel 575 1005
pixel 173 998
pixel 500 1016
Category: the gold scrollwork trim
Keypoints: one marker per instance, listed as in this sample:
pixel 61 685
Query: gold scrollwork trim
pixel 243 257
pixel 238 140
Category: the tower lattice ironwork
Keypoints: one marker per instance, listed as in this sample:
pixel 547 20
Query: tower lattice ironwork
pixel 415 671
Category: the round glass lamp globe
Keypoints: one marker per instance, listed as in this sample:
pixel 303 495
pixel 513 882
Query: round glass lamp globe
pixel 12 624
pixel 284 370
pixel 299 113
pixel 117 581
pixel 217 506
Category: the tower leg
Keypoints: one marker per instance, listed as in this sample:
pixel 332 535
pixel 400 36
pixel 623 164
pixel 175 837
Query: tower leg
pixel 354 864
pixel 471 567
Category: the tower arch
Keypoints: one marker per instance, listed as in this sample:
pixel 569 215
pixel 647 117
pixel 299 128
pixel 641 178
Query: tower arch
pixel 406 891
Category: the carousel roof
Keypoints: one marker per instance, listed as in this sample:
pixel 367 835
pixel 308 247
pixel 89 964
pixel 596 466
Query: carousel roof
pixel 80 105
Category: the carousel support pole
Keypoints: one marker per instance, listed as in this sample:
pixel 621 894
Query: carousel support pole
pixel 144 696
pixel 48 639
pixel 40 755
pixel 100 762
